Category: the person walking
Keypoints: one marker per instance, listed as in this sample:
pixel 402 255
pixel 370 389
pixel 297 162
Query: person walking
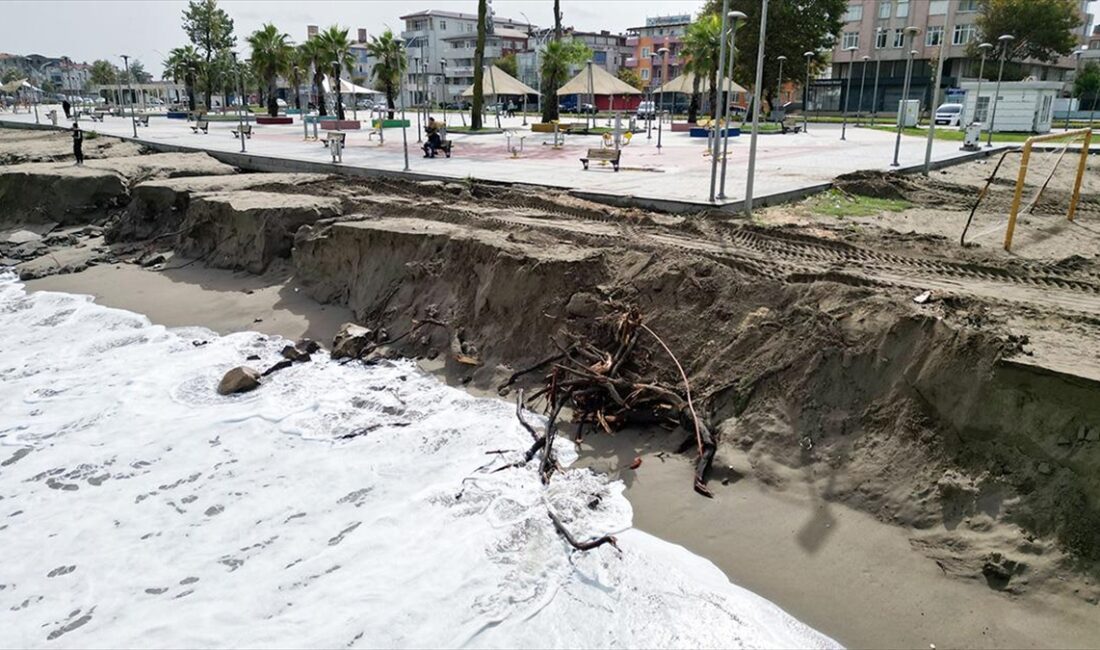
pixel 67 107
pixel 78 144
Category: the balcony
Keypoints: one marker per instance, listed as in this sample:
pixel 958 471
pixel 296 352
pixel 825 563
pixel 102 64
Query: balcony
pixel 631 62
pixel 631 41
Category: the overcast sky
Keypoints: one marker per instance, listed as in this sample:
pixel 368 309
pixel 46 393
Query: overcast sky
pixel 94 29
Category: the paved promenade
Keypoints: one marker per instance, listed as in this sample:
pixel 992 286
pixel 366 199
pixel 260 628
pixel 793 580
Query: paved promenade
pixel 678 172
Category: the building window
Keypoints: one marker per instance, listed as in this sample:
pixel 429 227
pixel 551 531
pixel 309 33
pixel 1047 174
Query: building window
pixel 903 9
pixel 981 109
pixel 443 25
pixel 880 38
pixel 968 5
pixel 884 8
pixel 645 74
pixel 850 39
pixel 934 36
pixel 937 8
pixel 963 34
pixel 854 13
pixel 645 52
pixel 899 38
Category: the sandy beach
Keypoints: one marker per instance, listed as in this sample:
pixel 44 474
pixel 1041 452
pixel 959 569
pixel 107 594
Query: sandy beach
pixel 854 578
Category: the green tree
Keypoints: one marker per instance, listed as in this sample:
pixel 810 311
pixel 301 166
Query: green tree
pixel 1044 29
pixel 270 58
pixel 336 49
pixel 631 77
pixel 553 81
pixel 702 47
pixel 313 55
pixel 479 67
pixel 556 60
pixel 210 30
pixel 296 70
pixel 9 75
pixel 507 63
pixel 181 66
pixel 1087 84
pixel 390 63
pixel 793 28
pixel 138 73
pixel 104 73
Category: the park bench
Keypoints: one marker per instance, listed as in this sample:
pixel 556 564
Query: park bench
pixel 97 116
pixel 785 128
pixel 338 136
pixel 245 131
pixel 603 155
pixel 201 125
pixel 445 147
pixel 143 120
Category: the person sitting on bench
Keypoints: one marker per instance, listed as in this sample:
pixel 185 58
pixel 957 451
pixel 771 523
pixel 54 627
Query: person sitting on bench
pixel 435 141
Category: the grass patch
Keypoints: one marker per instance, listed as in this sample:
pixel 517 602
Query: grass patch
pixel 835 203
pixel 954 134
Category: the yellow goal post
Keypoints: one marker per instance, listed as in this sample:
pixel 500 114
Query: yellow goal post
pixel 1021 179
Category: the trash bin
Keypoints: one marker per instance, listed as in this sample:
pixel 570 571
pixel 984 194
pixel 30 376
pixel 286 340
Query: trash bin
pixel 334 149
pixel 908 112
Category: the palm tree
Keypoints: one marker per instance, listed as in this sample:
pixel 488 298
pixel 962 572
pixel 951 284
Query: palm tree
pixel 270 58
pixel 479 67
pixel 702 47
pixel 180 66
pixel 337 52
pixel 557 58
pixel 313 54
pixel 297 69
pixel 390 64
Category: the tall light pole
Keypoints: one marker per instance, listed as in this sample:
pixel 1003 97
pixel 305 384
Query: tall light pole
pixel 878 67
pixel 735 18
pixel 1004 40
pixel 848 90
pixel 779 81
pixel 941 54
pixel 984 48
pixel 719 109
pixel 912 32
pixel 240 108
pixel 756 106
pixel 126 65
pixel 663 52
pixel 806 94
pixel 862 81
pixel 1076 72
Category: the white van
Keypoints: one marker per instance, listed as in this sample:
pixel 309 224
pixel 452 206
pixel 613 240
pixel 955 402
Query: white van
pixel 949 114
pixel 647 111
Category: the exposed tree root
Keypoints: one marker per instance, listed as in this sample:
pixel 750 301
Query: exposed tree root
pixel 581 546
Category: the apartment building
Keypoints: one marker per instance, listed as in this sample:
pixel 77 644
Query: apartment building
pixel 659 32
pixel 58 74
pixel 876 29
pixel 609 51
pixel 440 47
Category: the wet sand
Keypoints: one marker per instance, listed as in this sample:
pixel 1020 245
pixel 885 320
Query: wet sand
pixel 839 570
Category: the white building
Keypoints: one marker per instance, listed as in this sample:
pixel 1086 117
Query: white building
pixel 1023 106
pixel 440 44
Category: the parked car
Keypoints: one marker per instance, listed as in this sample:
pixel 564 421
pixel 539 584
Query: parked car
pixel 949 114
pixel 647 111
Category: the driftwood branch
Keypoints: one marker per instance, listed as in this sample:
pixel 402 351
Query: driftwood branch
pixel 581 546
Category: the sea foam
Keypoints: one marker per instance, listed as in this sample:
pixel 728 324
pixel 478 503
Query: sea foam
pixel 334 506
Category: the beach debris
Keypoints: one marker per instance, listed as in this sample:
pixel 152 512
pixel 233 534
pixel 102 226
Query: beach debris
pixel 636 463
pixel 285 363
pixel 239 380
pixel 923 298
pixel 467 360
pixel 151 259
pixel 350 341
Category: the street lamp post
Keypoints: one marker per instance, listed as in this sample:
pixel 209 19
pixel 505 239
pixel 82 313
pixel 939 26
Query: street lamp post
pixel 806 94
pixel 751 176
pixel 984 48
pixel 735 17
pixel 1076 72
pixel 660 117
pixel 878 67
pixel 848 91
pixel 778 81
pixel 240 102
pixel 719 109
pixel 940 55
pixel 443 88
pixel 912 32
pixel 1004 39
pixel 126 65
pixel 862 82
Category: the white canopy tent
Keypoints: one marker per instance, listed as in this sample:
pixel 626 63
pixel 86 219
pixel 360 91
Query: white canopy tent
pixel 499 82
pixel 348 88
pixel 685 82
pixel 594 81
